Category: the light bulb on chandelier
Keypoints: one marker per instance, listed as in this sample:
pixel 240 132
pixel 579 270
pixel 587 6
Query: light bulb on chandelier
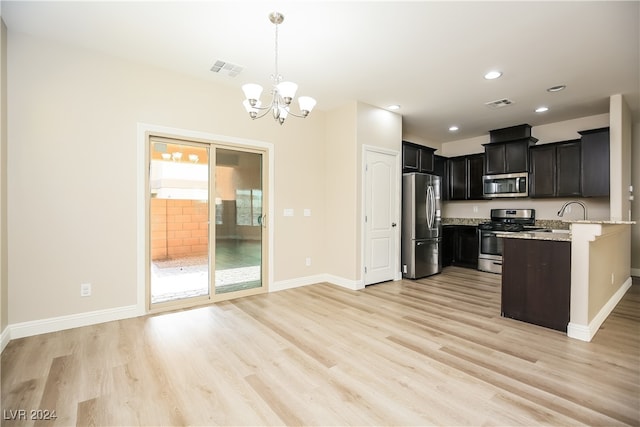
pixel 282 93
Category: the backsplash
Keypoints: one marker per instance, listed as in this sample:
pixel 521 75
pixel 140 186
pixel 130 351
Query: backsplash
pixel 546 209
pixel 463 221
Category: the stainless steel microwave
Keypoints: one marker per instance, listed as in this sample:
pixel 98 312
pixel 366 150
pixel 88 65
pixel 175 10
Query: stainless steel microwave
pixel 505 185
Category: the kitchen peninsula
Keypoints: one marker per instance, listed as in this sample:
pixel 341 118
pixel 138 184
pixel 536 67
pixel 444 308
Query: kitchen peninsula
pixel 578 266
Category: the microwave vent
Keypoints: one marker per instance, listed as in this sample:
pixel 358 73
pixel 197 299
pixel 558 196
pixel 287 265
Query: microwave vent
pixel 504 102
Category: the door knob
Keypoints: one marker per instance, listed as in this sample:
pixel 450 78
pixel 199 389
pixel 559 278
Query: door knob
pixel 393 224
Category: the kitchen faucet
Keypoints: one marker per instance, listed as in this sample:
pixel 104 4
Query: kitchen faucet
pixel 584 208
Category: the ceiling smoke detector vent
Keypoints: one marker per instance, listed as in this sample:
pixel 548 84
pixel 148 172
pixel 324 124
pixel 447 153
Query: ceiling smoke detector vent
pixel 504 102
pixel 224 67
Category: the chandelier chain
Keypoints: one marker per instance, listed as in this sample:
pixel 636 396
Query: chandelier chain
pixel 277 77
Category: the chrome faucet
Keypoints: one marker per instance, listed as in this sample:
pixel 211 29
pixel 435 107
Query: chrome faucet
pixel 584 208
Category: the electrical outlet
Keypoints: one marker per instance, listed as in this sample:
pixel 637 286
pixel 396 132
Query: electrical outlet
pixel 613 277
pixel 85 289
pixel 307 261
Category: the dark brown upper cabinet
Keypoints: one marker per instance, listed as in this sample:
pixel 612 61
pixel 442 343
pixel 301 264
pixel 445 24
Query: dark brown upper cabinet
pixel 554 169
pixel 417 158
pixel 542 173
pixel 441 168
pixel 595 162
pixel 465 177
pixel 568 169
pixel 507 157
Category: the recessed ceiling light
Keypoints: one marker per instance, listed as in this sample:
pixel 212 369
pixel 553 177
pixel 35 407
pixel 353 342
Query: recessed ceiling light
pixel 453 128
pixel 542 109
pixel 393 107
pixel 556 88
pixel 492 75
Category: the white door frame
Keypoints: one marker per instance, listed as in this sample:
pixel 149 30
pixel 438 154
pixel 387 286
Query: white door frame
pixel 142 152
pixel 395 208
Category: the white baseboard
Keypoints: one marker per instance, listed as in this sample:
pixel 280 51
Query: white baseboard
pixel 54 324
pixel 354 285
pixel 43 326
pixel 4 338
pixel 635 272
pixel 579 332
pixel 296 283
pixel 318 278
pixel 587 332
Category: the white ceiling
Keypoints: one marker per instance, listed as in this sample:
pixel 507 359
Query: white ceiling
pixel 429 57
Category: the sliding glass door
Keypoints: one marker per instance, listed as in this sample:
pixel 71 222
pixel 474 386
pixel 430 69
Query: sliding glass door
pixel 239 220
pixel 179 221
pixel 201 193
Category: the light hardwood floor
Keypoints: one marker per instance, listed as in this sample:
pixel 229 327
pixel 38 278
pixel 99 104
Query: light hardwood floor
pixel 428 352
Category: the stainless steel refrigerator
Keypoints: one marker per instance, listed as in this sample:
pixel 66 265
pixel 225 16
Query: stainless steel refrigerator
pixel 421 225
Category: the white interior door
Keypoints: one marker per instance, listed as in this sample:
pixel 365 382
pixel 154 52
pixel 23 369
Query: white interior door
pixel 381 235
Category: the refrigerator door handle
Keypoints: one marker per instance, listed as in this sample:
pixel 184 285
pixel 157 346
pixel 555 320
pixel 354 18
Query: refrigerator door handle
pixel 432 203
pixel 431 206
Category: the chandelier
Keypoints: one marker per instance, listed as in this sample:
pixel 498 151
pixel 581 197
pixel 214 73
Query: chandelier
pixel 282 92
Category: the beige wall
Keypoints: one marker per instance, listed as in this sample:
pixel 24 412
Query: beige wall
pixel 378 128
pixel 72 177
pixel 349 128
pixel 4 276
pixel 341 200
pixel 602 277
pixel 607 271
pixel 620 157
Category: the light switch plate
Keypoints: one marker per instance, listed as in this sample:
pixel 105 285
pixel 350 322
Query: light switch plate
pixel 288 212
pixel 307 212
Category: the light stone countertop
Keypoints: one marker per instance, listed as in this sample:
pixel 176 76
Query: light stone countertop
pixel 601 221
pixel 557 236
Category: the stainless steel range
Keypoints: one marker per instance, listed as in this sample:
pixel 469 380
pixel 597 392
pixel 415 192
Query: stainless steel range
pixel 502 221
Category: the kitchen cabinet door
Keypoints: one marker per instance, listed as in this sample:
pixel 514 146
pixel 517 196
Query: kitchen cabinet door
pixel 475 171
pixel 494 158
pixel 410 158
pixel 507 157
pixel 595 162
pixel 466 254
pixel 516 156
pixel 460 246
pixel 536 282
pixel 416 158
pixel 568 169
pixel 448 244
pixel 457 178
pixel 426 160
pixel 441 168
pixel 542 174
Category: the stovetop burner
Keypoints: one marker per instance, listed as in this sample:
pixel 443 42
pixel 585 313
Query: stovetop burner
pixel 510 220
pixel 501 226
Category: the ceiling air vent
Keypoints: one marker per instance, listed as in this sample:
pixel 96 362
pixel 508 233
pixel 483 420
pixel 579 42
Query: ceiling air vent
pixel 504 102
pixel 224 67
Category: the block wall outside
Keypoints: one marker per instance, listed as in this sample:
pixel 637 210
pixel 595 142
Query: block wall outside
pixel 179 228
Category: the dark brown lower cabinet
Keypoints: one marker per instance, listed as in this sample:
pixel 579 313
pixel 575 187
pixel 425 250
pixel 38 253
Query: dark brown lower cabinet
pixel 460 246
pixel 536 282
